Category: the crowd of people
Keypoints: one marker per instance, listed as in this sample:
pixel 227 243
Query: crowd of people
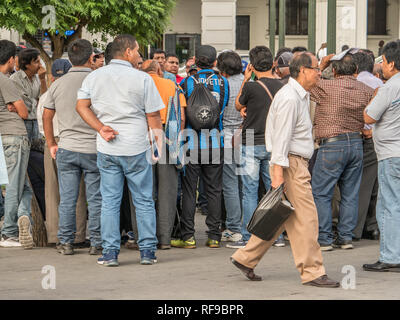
pixel 130 150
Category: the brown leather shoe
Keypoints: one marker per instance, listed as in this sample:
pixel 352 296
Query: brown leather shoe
pixel 249 273
pixel 323 282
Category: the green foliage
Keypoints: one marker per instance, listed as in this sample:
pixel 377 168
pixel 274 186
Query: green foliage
pixel 146 19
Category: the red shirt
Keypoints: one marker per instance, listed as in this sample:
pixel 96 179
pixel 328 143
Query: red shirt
pixel 179 79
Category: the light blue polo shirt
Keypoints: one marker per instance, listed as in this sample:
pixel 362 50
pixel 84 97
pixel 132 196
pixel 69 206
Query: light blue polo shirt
pixel 121 96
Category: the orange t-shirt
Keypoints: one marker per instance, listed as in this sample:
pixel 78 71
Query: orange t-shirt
pixel 166 89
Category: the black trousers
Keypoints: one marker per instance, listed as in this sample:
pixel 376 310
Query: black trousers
pixel 368 191
pixel 212 178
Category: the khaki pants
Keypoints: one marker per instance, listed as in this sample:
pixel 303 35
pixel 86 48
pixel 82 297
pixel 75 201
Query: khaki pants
pixel 301 227
pixel 52 199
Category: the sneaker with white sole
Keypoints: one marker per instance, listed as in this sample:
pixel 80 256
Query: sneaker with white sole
pixel 230 236
pixel 237 245
pixel 9 242
pixel 25 232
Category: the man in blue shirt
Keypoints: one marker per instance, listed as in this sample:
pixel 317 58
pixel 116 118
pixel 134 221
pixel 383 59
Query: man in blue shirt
pixel 120 103
pixel 205 155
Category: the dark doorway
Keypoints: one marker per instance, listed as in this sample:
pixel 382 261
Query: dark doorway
pixel 242 32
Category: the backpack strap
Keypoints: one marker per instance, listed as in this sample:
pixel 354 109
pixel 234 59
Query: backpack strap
pixel 266 89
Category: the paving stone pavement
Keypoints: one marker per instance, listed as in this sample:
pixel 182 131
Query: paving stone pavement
pixel 185 274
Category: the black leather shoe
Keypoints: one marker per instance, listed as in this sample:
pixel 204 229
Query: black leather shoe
pixel 248 272
pixel 382 267
pixel 323 282
pixel 371 235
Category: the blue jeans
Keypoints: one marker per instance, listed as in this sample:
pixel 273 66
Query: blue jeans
pixel 232 197
pixel 388 210
pixel 255 160
pixel 138 172
pixel 17 201
pixel 341 163
pixel 32 129
pixel 70 166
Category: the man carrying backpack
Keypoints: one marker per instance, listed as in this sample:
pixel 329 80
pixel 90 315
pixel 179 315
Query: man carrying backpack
pixel 207 94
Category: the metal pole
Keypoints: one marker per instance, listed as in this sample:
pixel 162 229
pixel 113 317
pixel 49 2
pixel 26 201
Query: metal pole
pixel 282 23
pixel 312 5
pixel 272 25
pixel 331 36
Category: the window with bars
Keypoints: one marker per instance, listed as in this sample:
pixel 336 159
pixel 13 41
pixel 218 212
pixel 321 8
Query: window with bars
pixel 296 17
pixel 377 17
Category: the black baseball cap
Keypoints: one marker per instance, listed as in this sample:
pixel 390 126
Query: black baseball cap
pixel 208 52
pixel 284 59
pixel 60 67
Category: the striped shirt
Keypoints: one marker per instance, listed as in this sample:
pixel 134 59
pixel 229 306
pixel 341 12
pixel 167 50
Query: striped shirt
pixel 219 87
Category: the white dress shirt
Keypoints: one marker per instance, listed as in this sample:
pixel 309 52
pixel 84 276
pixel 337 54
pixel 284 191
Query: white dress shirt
pixel 289 127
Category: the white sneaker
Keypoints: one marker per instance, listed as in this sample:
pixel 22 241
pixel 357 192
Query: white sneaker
pixel 10 242
pixel 25 232
pixel 229 236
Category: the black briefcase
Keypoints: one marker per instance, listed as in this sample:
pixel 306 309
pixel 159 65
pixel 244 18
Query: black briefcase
pixel 270 214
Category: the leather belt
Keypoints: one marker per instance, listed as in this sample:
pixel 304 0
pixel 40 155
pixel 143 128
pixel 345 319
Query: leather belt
pixel 341 137
pixel 297 156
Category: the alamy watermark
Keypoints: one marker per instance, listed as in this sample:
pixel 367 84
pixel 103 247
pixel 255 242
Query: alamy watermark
pixel 49 280
pixel 49 20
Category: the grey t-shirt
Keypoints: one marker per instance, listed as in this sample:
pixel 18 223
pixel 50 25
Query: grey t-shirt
pixel 30 91
pixel 385 109
pixel 75 134
pixel 10 122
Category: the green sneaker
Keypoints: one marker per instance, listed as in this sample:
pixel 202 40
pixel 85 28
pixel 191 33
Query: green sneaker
pixel 212 243
pixel 188 244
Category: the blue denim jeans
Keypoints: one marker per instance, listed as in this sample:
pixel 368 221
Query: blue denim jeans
pixel 255 161
pixel 70 166
pixel 17 201
pixel 341 163
pixel 138 172
pixel 32 129
pixel 388 210
pixel 231 186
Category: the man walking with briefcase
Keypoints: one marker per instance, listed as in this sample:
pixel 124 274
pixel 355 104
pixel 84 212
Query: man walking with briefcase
pixel 289 139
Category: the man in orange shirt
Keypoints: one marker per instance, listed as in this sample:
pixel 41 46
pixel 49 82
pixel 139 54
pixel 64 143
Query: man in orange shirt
pixel 166 173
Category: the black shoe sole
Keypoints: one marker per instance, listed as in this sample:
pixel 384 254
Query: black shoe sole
pixel 397 270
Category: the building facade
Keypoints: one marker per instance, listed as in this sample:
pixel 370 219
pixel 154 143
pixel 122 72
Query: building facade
pixel 242 24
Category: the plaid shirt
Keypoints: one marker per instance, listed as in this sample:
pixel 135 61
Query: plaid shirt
pixel 340 106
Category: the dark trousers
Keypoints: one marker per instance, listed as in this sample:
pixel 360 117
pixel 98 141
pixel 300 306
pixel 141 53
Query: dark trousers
pixel 166 184
pixel 212 178
pixel 368 191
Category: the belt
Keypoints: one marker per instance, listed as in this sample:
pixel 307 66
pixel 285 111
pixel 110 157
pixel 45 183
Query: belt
pixel 341 137
pixel 297 156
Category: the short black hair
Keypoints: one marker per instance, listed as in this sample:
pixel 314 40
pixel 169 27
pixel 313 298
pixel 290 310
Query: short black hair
pixel 345 47
pixel 282 50
pixel 157 51
pixel 261 58
pixel 364 62
pixel 230 63
pixel 121 43
pixel 169 55
pixel 299 49
pixel 26 56
pixel 302 60
pixel 108 53
pixel 7 50
pixel 346 66
pixel 391 51
pixel 79 52
pixel 369 52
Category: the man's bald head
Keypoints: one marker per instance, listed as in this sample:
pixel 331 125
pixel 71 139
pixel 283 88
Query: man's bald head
pixel 152 66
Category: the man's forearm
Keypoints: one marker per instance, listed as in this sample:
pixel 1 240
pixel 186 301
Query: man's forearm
pixel 88 115
pixel 48 116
